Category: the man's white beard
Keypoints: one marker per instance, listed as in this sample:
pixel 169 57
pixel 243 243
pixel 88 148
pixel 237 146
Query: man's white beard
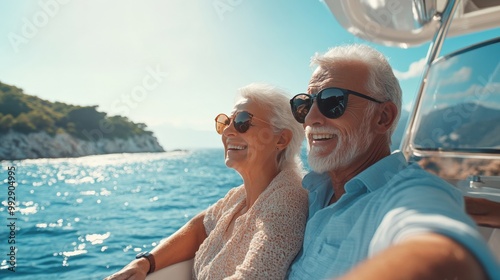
pixel 347 149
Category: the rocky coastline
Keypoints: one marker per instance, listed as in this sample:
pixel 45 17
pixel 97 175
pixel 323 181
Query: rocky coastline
pixel 17 146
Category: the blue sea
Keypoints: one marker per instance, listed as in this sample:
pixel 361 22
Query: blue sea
pixel 85 218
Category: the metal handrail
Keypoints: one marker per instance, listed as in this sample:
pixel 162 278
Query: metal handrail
pixel 445 18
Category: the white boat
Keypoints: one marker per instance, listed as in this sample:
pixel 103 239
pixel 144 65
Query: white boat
pixel 415 23
pixel 178 271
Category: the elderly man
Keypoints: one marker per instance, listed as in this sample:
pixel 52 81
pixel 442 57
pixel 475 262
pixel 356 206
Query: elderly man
pixel 371 214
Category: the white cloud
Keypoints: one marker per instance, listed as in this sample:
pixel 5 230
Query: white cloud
pixel 447 63
pixel 475 92
pixel 415 70
pixel 460 76
pixel 478 94
pixel 408 106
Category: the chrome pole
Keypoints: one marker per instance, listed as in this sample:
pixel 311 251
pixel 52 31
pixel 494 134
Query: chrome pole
pixel 445 18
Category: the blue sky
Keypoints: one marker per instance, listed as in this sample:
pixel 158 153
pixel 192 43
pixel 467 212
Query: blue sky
pixel 175 64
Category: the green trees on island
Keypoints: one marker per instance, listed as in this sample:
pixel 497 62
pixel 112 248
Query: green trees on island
pixel 26 114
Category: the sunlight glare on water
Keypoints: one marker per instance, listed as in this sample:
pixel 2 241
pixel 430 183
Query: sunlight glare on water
pixel 85 218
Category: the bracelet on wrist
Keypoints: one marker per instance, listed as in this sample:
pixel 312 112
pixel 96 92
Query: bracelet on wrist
pixel 150 258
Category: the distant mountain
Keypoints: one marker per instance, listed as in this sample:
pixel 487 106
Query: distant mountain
pixel 466 125
pixel 30 127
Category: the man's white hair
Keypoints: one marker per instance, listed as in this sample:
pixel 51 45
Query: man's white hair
pixel 382 84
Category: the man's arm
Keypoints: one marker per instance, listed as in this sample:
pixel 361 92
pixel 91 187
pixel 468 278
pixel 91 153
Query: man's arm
pixel 427 256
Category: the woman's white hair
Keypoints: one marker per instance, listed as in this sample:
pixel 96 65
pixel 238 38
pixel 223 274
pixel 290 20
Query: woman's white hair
pixel 277 102
pixel 381 84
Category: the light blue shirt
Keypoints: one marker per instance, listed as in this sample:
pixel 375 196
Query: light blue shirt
pixel 384 204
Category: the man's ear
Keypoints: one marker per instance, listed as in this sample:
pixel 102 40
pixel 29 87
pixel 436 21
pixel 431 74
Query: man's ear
pixel 386 116
pixel 284 140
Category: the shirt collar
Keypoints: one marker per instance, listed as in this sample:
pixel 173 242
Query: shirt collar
pixel 377 175
pixel 372 178
pixel 320 189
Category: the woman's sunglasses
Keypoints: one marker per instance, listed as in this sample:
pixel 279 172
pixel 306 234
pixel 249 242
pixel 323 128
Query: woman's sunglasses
pixel 241 121
pixel 332 102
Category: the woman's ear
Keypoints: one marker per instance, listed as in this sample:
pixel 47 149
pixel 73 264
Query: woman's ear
pixel 386 117
pixel 284 140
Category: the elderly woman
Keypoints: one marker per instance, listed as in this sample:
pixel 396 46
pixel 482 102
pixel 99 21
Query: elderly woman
pixel 256 230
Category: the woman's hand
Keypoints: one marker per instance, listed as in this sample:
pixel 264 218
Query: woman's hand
pixel 485 212
pixel 135 270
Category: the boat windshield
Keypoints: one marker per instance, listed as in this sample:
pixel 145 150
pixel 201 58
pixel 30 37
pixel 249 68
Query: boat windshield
pixel 460 106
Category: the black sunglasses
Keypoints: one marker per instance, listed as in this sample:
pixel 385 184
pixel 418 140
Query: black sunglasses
pixel 241 121
pixel 332 102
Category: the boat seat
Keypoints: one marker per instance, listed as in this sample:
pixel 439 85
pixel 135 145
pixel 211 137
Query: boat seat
pixel 178 271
